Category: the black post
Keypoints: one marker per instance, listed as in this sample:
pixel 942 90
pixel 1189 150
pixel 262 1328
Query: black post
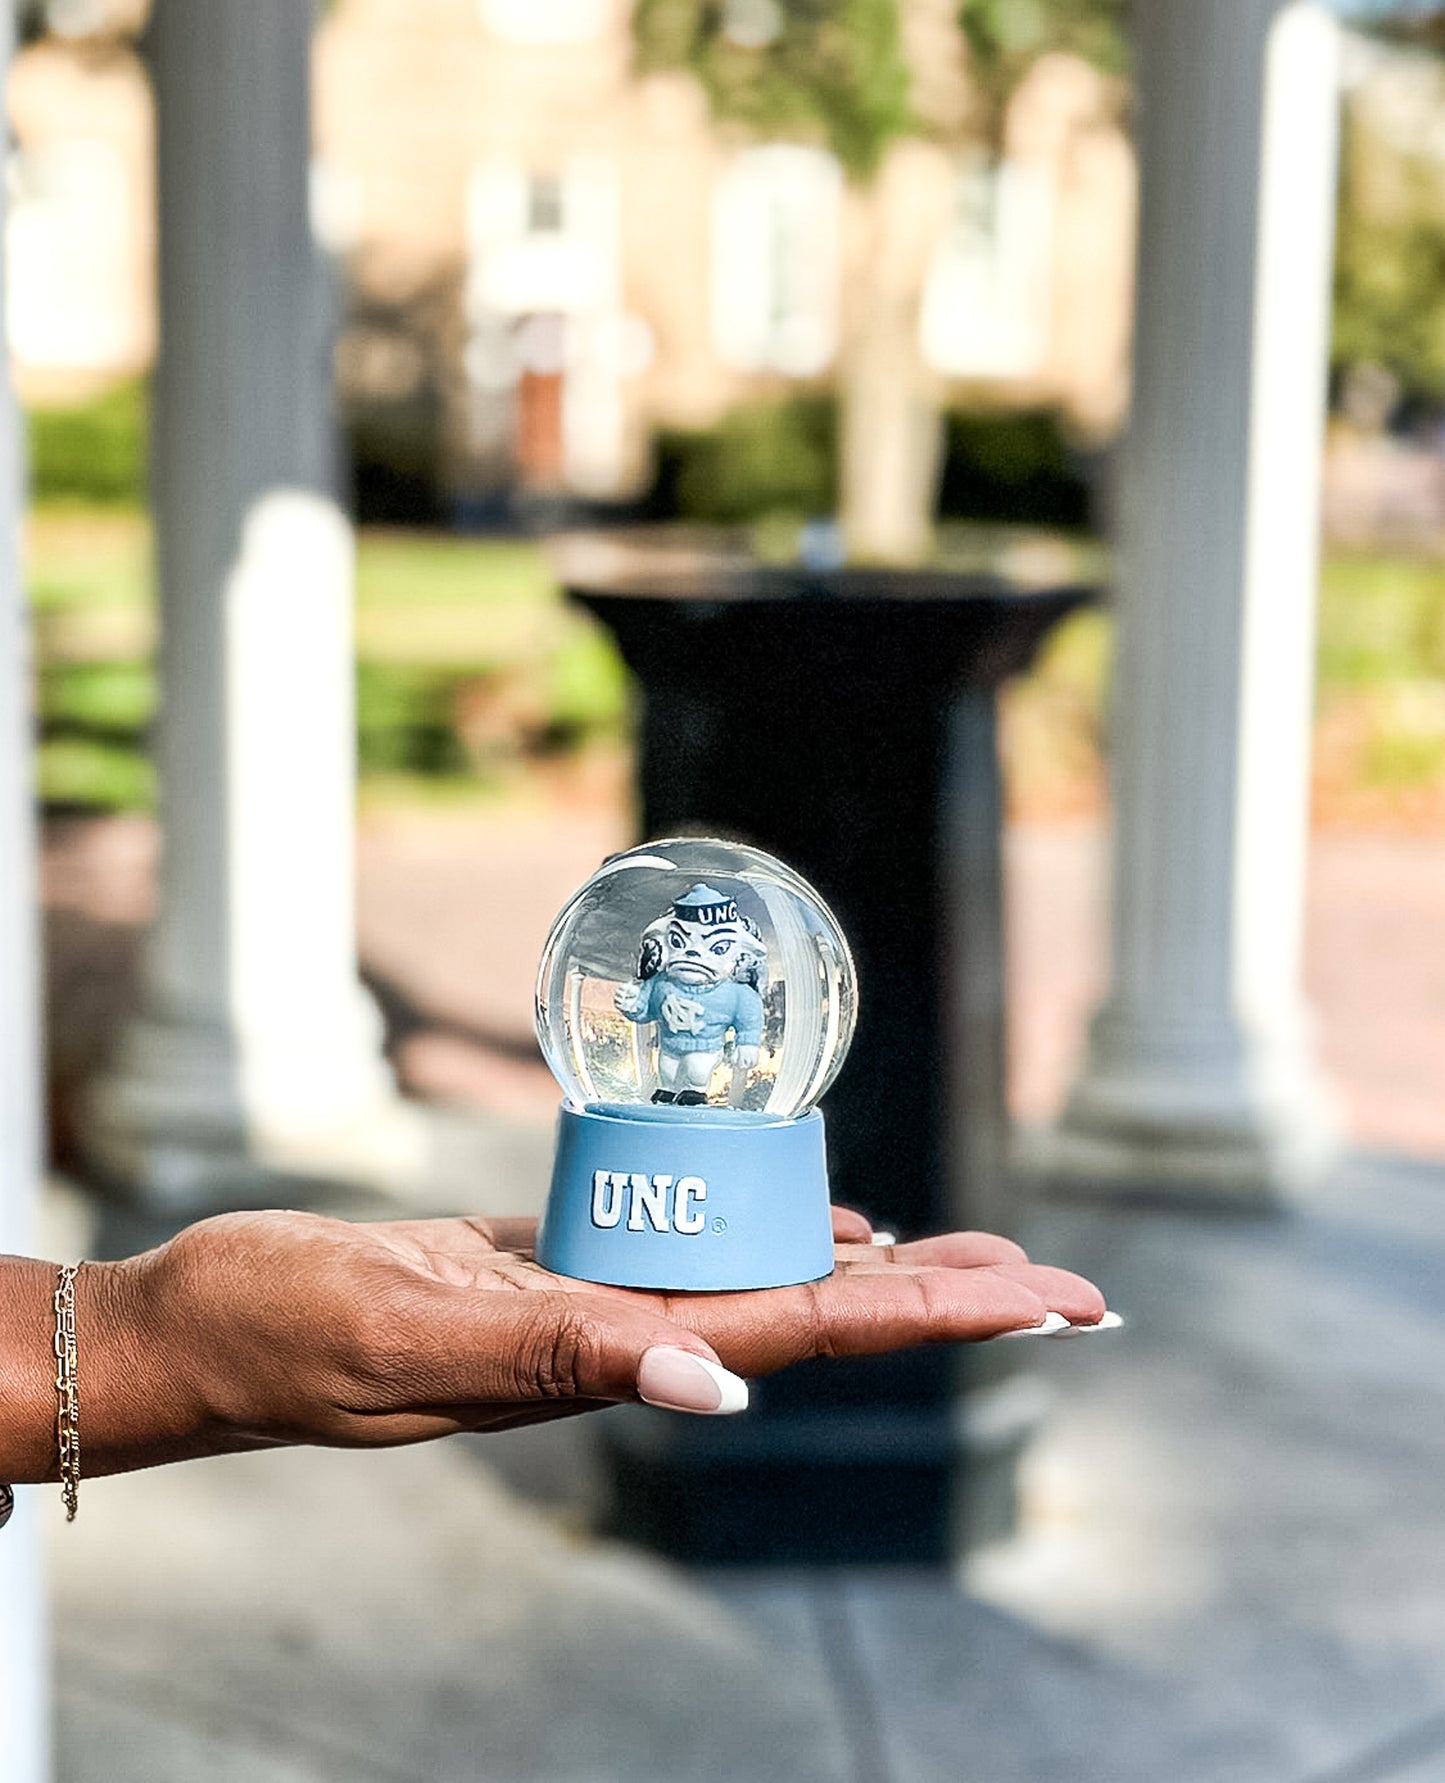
pixel 847 725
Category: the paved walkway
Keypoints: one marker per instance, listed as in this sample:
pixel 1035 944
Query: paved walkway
pixel 1232 1564
pixel 453 911
pixel 1232 1570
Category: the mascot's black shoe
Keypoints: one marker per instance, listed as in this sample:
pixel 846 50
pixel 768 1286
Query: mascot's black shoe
pixel 665 1096
pixel 691 1099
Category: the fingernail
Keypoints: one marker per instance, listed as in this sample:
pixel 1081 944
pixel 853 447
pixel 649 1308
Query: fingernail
pixel 1053 1321
pixel 681 1382
pixel 884 1238
pixel 1111 1321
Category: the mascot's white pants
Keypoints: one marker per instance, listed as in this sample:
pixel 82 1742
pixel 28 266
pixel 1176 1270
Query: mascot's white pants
pixel 686 1070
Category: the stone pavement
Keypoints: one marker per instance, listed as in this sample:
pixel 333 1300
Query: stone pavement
pixel 1232 1562
pixel 1231 1570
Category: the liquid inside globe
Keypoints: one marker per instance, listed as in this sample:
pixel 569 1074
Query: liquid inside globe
pixel 696 973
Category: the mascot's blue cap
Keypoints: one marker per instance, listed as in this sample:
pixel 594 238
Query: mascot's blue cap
pixel 703 904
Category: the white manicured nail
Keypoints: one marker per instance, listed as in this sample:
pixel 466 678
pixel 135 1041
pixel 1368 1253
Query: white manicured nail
pixel 884 1238
pixel 1111 1321
pixel 679 1381
pixel 1053 1321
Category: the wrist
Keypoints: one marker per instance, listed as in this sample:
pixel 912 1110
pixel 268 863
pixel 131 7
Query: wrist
pixel 143 1394
pixel 121 1418
pixel 27 1370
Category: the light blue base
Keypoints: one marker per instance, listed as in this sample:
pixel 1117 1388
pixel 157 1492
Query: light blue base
pixel 694 1199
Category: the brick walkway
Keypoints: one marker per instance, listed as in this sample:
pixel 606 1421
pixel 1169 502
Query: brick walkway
pixel 453 909
pixel 1374 972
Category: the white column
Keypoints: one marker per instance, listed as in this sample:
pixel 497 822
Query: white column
pixel 24 1659
pixel 1200 1070
pixel 257 1052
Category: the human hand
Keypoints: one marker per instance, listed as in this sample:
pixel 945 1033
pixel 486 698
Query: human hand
pixel 256 1330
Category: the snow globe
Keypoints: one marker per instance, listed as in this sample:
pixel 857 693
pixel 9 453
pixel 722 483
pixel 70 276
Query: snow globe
pixel 694 1001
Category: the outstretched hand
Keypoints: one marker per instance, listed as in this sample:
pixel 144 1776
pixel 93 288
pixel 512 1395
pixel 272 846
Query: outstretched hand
pixel 259 1329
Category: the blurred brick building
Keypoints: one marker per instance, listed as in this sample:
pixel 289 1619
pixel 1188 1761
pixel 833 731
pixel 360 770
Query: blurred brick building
pixel 544 257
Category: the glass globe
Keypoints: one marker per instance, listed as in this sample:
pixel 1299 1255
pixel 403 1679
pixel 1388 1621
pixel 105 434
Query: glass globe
pixel 696 972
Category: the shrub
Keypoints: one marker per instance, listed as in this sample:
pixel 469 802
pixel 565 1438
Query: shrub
pixel 1011 466
pixel 92 452
pixel 761 459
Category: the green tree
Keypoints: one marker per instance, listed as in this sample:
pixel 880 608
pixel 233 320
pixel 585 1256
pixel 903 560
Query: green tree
pixel 829 72
pixel 1389 297
pixel 1005 37
pixel 834 73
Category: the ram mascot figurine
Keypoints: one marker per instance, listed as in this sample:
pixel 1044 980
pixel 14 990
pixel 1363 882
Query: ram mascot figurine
pixel 701 971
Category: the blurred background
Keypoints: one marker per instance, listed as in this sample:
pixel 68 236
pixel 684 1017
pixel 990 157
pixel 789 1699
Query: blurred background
pixel 770 283
pixel 578 281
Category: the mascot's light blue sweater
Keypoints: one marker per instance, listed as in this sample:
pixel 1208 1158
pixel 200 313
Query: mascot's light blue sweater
pixel 696 1018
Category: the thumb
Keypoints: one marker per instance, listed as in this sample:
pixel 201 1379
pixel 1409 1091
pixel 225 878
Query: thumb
pixel 577 1346
pixel 683 1381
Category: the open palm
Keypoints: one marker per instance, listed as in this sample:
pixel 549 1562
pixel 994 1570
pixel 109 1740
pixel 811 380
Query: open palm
pixel 287 1327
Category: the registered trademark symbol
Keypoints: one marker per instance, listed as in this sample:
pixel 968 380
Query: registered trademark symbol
pixel 719 1225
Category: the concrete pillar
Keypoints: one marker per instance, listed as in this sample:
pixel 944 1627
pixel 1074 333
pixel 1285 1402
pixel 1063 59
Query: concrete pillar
pixel 256 1053
pixel 24 1661
pixel 1199 1071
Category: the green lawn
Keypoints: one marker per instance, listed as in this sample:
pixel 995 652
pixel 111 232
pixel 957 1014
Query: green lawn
pixel 468 661
pixel 467 658
pixel 1382 620
pixel 1380 701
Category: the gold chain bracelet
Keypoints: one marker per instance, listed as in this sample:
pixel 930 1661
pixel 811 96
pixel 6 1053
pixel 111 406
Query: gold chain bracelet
pixel 67 1391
